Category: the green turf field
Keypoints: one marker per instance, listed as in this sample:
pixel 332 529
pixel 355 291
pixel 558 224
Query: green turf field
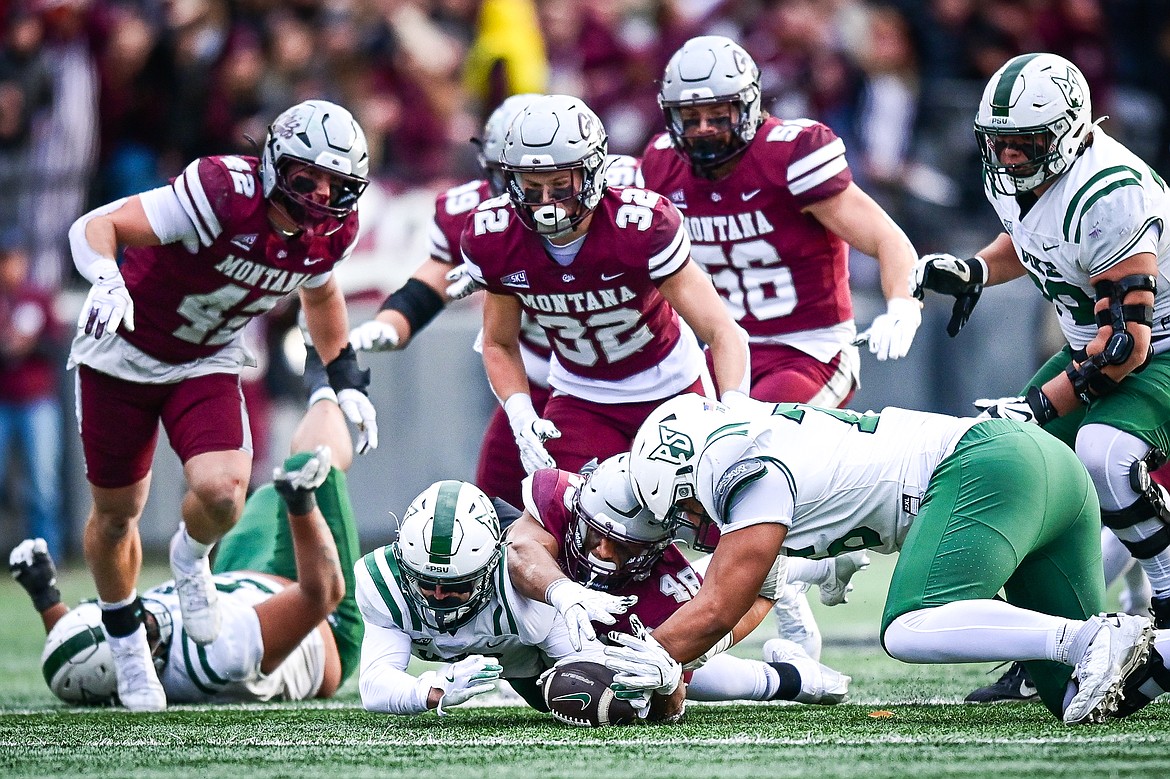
pixel 904 721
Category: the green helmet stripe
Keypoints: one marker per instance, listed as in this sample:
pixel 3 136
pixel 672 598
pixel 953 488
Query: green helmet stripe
pixel 91 636
pixel 444 523
pixel 1002 99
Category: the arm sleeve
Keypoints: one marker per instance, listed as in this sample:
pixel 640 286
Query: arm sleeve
pixel 88 262
pixel 383 682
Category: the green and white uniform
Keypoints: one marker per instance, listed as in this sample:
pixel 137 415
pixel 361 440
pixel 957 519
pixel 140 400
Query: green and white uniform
pixel 526 636
pixel 973 506
pixel 1109 206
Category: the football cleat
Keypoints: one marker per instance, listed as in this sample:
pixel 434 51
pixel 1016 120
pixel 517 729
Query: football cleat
pixel 1015 686
pixel 198 599
pixel 1117 652
pixel 1160 611
pixel 138 686
pixel 819 683
pixel 1144 686
pixel 795 621
pixel 836 590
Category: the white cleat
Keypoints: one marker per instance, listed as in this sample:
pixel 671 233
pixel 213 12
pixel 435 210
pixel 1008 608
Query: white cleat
pixel 836 590
pixel 198 598
pixel 1119 649
pixel 795 620
pixel 819 683
pixel 138 686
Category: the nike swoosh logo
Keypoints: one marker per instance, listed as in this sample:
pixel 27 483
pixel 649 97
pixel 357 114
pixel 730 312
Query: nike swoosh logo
pixel 1050 248
pixel 749 195
pixel 581 697
pixel 604 277
pixel 314 261
pixel 501 642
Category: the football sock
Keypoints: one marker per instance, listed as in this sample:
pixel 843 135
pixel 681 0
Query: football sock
pixel 187 552
pixel 727 677
pixel 809 571
pixel 972 631
pixel 121 619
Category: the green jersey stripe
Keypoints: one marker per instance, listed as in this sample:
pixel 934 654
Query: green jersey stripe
pixel 1074 205
pixel 501 575
pixel 67 650
pixel 1100 193
pixel 443 526
pixel 201 651
pixel 380 584
pixel 1001 99
pixel 192 674
pixel 392 564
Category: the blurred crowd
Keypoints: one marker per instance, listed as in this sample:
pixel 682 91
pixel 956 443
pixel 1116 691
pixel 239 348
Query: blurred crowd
pixel 104 98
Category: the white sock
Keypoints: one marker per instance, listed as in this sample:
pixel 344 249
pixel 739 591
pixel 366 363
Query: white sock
pixel 801 569
pixel 974 631
pixel 729 678
pixel 186 551
pixel 108 606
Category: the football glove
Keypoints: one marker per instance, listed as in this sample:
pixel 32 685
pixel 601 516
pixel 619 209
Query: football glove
pixel 581 607
pixel 350 382
pixel 891 334
pixel 530 432
pixel 462 681
pixel 642 667
pixel 298 486
pixel 462 284
pixel 949 275
pixel 1034 407
pixel 107 307
pixel 33 568
pixel 374 336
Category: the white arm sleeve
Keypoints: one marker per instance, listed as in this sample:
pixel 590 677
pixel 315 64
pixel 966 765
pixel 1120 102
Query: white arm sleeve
pixel 384 684
pixel 168 218
pixel 91 265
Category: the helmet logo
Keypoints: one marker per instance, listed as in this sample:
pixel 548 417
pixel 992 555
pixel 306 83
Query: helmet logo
pixel 676 448
pixel 740 60
pixel 287 125
pixel 1070 87
pixel 585 124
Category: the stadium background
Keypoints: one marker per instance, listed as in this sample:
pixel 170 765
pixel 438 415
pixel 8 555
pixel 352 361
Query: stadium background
pixel 104 98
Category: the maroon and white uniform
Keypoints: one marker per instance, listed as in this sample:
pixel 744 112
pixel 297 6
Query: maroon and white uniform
pixel 783 276
pixel 220 265
pixel 194 294
pixel 549 496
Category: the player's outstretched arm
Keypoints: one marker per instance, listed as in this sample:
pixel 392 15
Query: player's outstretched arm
pixel 406 311
pixel 532 557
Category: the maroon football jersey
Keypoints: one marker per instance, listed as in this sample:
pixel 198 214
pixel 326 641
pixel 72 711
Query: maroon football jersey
pixel 189 305
pixel 452 209
pixel 671 583
pixel 779 270
pixel 603 314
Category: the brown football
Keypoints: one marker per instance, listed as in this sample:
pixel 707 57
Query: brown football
pixel 578 694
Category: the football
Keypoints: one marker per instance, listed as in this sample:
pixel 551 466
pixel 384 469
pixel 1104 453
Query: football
pixel 578 694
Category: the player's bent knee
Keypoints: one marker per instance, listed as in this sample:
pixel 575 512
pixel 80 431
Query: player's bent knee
pixel 898 637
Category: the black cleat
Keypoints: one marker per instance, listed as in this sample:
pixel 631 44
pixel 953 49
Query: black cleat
pixel 1160 611
pixel 1015 686
pixel 1144 685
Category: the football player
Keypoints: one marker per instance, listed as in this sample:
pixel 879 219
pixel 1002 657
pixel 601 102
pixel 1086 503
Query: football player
pixel 442 278
pixel 441 592
pixel 291 629
pixel 771 210
pixel 1084 218
pixel 606 274
pixel 973 506
pixel 159 339
pixel 584 545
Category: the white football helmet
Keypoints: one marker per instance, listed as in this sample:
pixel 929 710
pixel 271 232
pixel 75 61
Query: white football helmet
pixel 554 133
pixel 605 506
pixel 491 145
pixel 77 662
pixel 326 136
pixel 707 70
pixel 1037 104
pixel 664 462
pixel 449 539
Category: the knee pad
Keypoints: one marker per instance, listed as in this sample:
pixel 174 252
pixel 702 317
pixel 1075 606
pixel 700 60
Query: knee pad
pixel 1153 503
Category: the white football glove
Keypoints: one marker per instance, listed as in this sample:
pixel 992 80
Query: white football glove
pixel 642 667
pixel 361 412
pixel 1016 408
pixel 530 432
pixel 374 336
pixel 581 606
pixel 462 681
pixel 462 284
pixel 891 334
pixel 107 306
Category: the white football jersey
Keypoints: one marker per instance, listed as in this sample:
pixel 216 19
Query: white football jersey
pixel 228 669
pixel 1109 206
pixel 838 479
pixel 526 636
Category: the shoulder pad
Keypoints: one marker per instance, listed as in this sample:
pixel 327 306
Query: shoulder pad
pixel 733 479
